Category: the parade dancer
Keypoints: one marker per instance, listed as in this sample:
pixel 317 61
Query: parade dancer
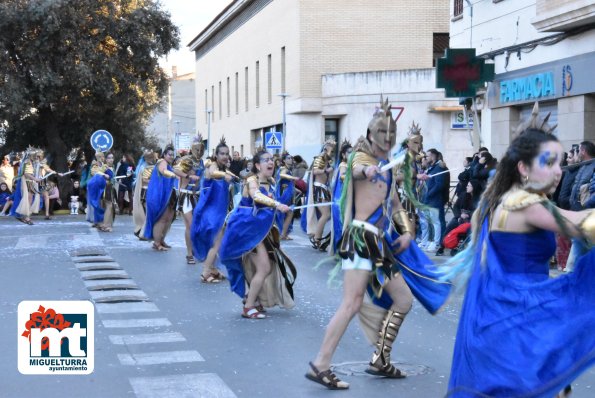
pixel 337 187
pixel 318 192
pixel 161 201
pixel 192 168
pixel 522 333
pixel 22 208
pixel 142 176
pixel 210 212
pixel 250 248
pixel 100 195
pixel 284 193
pixel 377 255
pixel 42 172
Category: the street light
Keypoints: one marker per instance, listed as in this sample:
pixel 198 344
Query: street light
pixel 283 96
pixel 209 111
pixel 177 136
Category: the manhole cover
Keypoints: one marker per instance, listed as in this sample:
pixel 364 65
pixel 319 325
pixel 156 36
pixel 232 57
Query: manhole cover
pixel 358 368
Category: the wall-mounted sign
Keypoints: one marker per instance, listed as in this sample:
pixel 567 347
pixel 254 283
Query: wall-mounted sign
pixel 457 120
pixel 532 87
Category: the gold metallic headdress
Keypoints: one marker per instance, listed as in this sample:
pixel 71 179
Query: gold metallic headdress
pixel 535 122
pixel 414 129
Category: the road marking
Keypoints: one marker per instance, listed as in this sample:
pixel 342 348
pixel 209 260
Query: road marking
pixel 103 284
pixel 32 242
pixel 121 308
pixel 160 358
pixel 130 339
pixel 204 385
pixel 136 323
pixel 108 296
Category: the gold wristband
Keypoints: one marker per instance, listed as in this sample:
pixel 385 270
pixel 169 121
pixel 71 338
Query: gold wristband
pixel 587 227
pixel 168 174
pixel 218 175
pixel 262 199
pixel 402 223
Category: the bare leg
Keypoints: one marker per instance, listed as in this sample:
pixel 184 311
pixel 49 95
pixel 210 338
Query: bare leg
pixel 354 287
pixel 261 262
pixel 208 267
pixel 46 203
pixel 161 226
pixel 188 222
pixel 325 214
pixel 287 223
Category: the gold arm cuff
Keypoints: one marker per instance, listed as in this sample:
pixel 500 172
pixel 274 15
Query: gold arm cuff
pixel 587 227
pixel 168 174
pixel 218 175
pixel 284 176
pixel 402 223
pixel 319 163
pixel 262 199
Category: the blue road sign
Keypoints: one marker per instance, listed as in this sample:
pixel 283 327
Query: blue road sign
pixel 273 140
pixel 102 140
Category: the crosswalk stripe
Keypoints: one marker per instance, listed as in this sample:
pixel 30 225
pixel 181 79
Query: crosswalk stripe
pixel 204 385
pixel 160 358
pixel 130 339
pixel 136 323
pixel 120 308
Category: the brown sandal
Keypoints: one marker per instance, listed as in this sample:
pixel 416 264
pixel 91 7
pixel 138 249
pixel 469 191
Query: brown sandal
pixel 209 279
pixel 389 371
pixel 252 313
pixel 159 248
pixel 327 378
pixel 190 260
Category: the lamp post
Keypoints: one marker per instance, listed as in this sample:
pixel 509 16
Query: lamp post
pixel 177 137
pixel 283 96
pixel 209 111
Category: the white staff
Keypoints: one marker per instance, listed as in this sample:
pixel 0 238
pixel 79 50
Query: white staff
pixel 311 205
pixel 53 172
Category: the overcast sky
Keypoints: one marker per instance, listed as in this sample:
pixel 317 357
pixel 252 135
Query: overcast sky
pixel 191 17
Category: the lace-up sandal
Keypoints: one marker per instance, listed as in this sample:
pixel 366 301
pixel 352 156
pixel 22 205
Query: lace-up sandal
pixel 327 378
pixel 190 260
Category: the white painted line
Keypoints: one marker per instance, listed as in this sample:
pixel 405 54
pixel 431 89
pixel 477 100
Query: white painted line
pixel 31 242
pixel 203 385
pixel 136 323
pixel 158 358
pixel 130 339
pixel 101 284
pixel 121 308
pixel 107 295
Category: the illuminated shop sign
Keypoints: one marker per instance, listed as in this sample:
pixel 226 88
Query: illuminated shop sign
pixel 526 88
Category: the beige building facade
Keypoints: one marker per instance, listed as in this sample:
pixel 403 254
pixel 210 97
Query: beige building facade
pixel 256 54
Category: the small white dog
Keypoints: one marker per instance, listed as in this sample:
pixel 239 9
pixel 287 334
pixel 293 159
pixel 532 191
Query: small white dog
pixel 74 205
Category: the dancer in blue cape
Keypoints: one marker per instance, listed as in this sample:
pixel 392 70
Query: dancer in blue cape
pixel 100 193
pixel 314 219
pixel 336 189
pixel 377 251
pixel 210 212
pixel 251 250
pixel 193 168
pixel 522 334
pixel 143 172
pixel 161 201
pixel 284 193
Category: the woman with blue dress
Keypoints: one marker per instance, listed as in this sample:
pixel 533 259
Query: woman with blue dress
pixel 100 193
pixel 285 182
pixel 521 333
pixel 336 190
pixel 250 248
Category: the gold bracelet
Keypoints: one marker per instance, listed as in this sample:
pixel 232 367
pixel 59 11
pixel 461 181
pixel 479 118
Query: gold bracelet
pixel 262 199
pixel 587 227
pixel 402 223
pixel 168 174
pixel 218 175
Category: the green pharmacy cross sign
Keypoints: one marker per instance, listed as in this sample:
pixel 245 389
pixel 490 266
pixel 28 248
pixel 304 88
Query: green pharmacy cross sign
pixel 461 73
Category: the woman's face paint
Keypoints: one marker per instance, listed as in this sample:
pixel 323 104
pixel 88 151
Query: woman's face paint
pixel 545 171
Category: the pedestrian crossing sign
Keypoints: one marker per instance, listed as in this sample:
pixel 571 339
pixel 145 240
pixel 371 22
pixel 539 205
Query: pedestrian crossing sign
pixel 273 140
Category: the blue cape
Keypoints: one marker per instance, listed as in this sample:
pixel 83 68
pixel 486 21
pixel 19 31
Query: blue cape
pixel 246 227
pixel 285 197
pixel 95 188
pixel 209 215
pixel 520 332
pixel 159 191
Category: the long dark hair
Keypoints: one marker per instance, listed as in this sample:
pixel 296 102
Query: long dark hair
pixel 523 148
pixel 256 159
pixel 7 188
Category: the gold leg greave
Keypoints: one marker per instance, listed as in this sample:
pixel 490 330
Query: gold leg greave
pixel 386 336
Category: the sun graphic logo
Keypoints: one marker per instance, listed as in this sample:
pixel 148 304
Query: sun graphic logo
pixel 56 337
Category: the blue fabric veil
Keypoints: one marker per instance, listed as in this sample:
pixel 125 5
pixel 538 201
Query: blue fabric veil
pixel 95 189
pixel 159 192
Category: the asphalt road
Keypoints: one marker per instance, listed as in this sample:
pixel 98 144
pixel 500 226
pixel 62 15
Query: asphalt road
pixel 187 339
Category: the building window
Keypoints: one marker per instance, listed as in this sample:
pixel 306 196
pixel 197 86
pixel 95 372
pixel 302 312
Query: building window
pixel 283 70
pixel 458 8
pixel 220 108
pixel 228 100
pixel 257 78
pixel 440 44
pixel 269 78
pixel 247 97
pixel 213 104
pixel 237 93
pixel 331 130
pixel 242 151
